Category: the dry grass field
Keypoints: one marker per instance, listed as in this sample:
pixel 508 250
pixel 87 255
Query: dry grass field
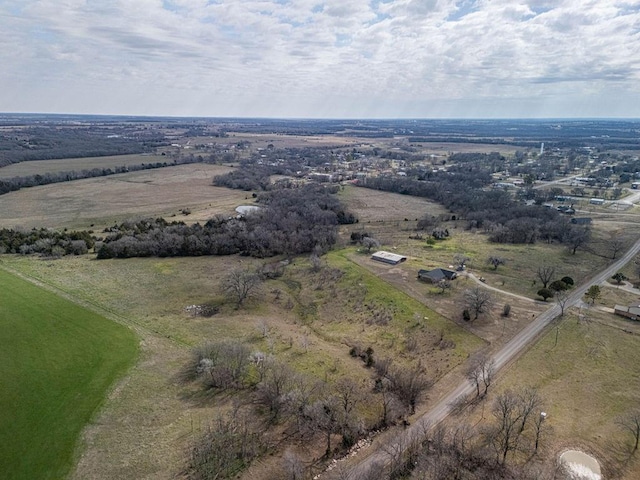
pixel 446 148
pixel 517 275
pixel 150 418
pixel 102 201
pixel 41 167
pixel 312 321
pixel 374 206
pixel 587 380
pixel 261 140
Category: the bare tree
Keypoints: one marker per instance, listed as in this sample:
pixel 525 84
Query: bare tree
pixel 316 262
pixel 529 402
pixel 221 365
pixel 631 423
pixel 504 436
pixel 348 394
pixel 478 300
pixel 273 391
pixel 577 237
pixel 325 416
pixel 263 328
pixel 545 274
pixel 540 427
pixel 615 244
pixel 562 300
pixel 409 385
pixel 293 466
pixel 480 373
pixel 496 261
pixel 369 243
pixel 228 445
pixel 444 285
pixel 460 260
pixel 239 285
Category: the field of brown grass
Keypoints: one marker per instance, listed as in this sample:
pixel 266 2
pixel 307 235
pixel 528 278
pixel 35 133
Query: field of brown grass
pixel 374 206
pixel 150 418
pixel 587 380
pixel 24 169
pixel 102 201
pixel 261 140
pixel 313 320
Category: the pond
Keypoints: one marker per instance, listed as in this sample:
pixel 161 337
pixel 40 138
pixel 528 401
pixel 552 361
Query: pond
pixel 581 466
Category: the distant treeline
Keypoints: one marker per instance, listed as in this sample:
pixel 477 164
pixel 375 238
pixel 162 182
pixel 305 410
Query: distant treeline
pixel 65 141
pixel 16 183
pixel 291 221
pixel 45 242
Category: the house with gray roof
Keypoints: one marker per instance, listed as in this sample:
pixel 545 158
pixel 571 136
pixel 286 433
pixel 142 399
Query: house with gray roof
pixel 435 275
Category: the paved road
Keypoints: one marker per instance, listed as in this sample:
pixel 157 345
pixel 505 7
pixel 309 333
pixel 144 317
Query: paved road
pixel 508 353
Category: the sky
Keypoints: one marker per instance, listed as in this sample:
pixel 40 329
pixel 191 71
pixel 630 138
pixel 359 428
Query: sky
pixel 322 58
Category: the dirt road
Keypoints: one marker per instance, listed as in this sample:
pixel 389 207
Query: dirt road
pixel 508 353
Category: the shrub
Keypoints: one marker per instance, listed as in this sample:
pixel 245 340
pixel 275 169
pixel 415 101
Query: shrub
pixel 545 293
pixel 558 286
pixel 568 280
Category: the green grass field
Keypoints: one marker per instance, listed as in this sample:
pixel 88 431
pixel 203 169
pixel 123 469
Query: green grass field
pixel 56 364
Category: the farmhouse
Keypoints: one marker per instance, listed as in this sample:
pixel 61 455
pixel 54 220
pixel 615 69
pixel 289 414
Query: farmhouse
pixel 632 312
pixel 435 275
pixel 388 257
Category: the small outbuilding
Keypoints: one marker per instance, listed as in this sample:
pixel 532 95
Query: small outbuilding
pixel 632 312
pixel 581 220
pixel 435 275
pixel 388 257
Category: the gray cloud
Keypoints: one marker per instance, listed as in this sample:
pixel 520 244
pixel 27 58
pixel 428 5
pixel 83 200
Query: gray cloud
pixel 321 57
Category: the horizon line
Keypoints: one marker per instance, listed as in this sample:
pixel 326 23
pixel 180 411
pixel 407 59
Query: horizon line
pixel 224 117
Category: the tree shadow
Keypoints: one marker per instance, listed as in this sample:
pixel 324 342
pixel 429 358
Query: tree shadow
pixel 618 457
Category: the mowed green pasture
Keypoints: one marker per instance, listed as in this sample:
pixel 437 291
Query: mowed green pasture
pixel 56 364
pixel 95 203
pixel 41 167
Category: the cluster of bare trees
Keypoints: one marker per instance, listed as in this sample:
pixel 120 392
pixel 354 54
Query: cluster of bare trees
pixel 480 373
pixel 498 450
pixel 225 448
pixel 273 394
pixel 519 424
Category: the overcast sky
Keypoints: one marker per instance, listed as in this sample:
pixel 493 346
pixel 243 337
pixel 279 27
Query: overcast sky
pixel 315 58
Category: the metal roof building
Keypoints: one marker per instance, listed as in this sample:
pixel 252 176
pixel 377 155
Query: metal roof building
pixel 388 257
